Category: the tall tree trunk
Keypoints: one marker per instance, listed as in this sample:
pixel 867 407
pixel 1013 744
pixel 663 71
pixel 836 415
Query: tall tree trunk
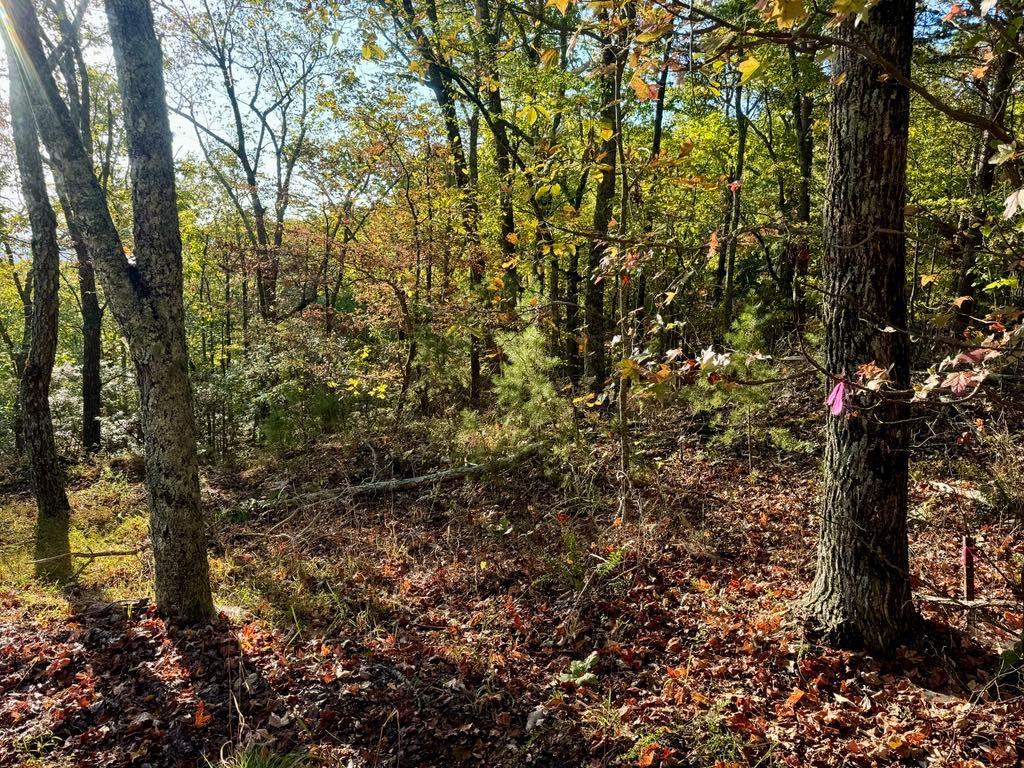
pixel 491 25
pixel 640 304
pixel 471 217
pixel 970 239
pixel 165 392
pixel 736 188
pixel 595 359
pixel 145 295
pixel 439 82
pixel 76 78
pixel 92 329
pixel 861 594
pixel 796 253
pixel 52 549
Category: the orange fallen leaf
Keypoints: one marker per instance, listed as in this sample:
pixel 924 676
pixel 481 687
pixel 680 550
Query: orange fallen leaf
pixel 202 716
pixel 794 698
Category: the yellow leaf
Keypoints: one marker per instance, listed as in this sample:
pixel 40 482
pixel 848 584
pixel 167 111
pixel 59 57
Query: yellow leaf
pixel 657 33
pixel 928 280
pixel 548 57
pixel 372 51
pixel 640 88
pixel 747 68
pixel 528 115
pixel 513 238
pixel 629 369
pixel 786 13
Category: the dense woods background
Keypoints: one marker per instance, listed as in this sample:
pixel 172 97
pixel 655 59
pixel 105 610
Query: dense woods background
pixel 511 382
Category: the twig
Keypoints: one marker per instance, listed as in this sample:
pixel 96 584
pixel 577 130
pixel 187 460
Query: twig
pixel 408 483
pixel 90 556
pixel 968 603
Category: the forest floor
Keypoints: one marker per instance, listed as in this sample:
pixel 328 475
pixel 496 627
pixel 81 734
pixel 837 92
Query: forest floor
pixel 500 621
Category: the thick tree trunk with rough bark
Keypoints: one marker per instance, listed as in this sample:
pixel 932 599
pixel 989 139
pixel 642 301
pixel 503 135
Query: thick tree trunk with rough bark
pixel 53 511
pixel 861 594
pixel 172 473
pixel 145 295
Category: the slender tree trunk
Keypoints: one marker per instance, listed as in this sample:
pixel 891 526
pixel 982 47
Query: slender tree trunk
pixel 471 216
pixel 796 253
pixel 573 359
pixel 76 79
pixel 736 189
pixel 970 239
pixel 861 594
pixel 492 33
pixel 92 330
pixel 53 511
pixel 595 359
pixel 640 304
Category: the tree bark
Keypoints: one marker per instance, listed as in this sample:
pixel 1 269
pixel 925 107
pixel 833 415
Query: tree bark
pixel 145 294
pixel 92 329
pixel 53 510
pixel 595 359
pixel 734 209
pixel 861 594
pixel 172 473
pixel 970 239
pixel 76 77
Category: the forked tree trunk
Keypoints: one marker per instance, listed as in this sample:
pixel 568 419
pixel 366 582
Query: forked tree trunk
pixel 145 295
pixel 165 392
pixel 52 550
pixel 861 593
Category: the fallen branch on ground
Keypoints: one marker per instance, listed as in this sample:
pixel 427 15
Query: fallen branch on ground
pixel 397 485
pixel 957 602
pixel 470 470
pixel 90 556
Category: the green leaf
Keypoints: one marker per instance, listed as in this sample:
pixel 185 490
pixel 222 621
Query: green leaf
pixel 1005 282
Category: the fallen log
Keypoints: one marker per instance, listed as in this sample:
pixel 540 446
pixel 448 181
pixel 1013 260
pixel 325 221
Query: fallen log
pixel 959 603
pixel 397 485
pixel 470 470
